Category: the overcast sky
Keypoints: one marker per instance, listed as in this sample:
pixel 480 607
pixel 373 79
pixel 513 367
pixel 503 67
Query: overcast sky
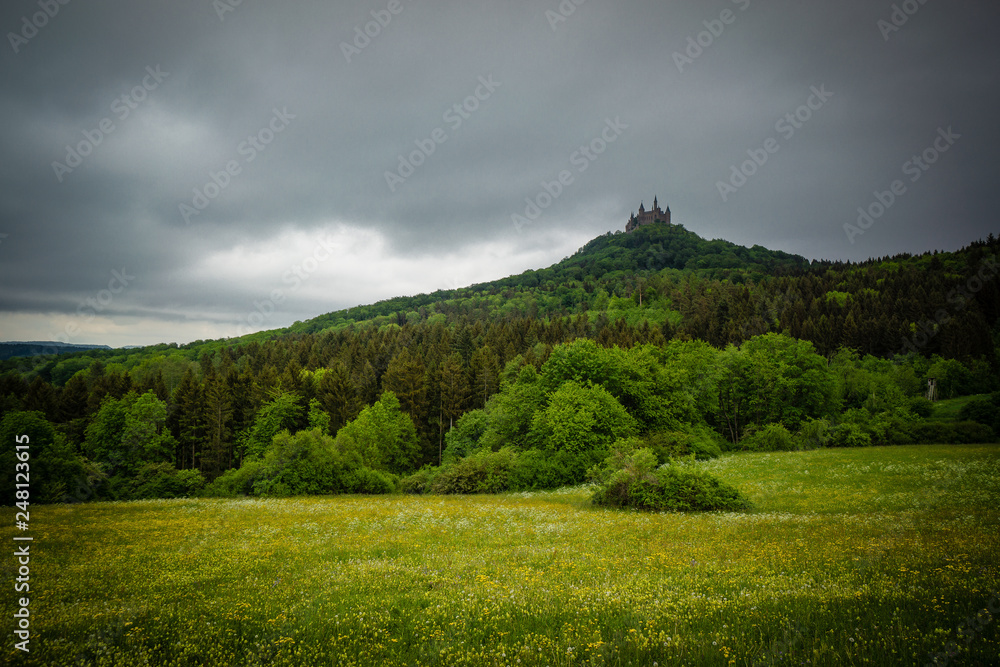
pixel 185 169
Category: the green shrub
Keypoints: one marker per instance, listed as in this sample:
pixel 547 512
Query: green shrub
pixel 921 407
pixel 483 472
pixel 972 432
pixel 850 435
pixel 366 480
pixel 700 441
pixel 537 470
pixel 163 480
pixel 770 438
pixel 639 484
pixel 418 482
pixel 981 410
pixel 813 434
pixel 235 482
pixel 938 432
pixel 580 418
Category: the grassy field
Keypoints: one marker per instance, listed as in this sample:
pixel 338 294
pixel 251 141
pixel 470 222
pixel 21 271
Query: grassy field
pixel 851 557
pixel 949 409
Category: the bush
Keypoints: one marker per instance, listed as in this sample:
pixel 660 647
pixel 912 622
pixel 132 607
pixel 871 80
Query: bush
pixel 418 482
pixel 636 482
pixel 580 418
pixel 921 407
pixel 813 434
pixel 939 432
pixel 235 482
pixel 850 435
pixel 366 480
pixel 483 472
pixel 163 480
pixel 537 470
pixel 701 442
pixel 983 411
pixel 770 438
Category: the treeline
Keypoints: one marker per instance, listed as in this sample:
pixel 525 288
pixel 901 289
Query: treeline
pixel 443 412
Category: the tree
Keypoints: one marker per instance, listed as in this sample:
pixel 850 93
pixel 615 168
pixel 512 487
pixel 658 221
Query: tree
pixel 54 471
pixel 454 392
pixel 144 439
pixel 405 378
pixel 188 421
pixel 281 413
pixel 581 419
pixel 512 410
pixel 336 395
pixel 382 437
pixel 219 413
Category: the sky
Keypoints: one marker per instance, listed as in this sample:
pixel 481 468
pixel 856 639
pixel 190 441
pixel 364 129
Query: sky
pixel 197 169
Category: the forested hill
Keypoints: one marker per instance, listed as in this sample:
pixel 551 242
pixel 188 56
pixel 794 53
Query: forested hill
pixel 611 261
pixel 656 283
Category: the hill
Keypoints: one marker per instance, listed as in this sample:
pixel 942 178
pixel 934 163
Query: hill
pixel 11 349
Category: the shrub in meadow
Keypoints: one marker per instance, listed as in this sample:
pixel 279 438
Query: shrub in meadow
pixel 163 480
pixel 482 472
pixel 849 434
pixel 537 470
pixel 632 480
pixel 418 482
pixel 813 434
pixel 770 438
pixel 235 482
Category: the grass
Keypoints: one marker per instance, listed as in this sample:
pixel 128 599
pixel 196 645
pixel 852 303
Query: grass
pixel 948 409
pixel 851 557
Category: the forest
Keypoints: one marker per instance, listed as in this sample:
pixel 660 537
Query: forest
pixel 655 341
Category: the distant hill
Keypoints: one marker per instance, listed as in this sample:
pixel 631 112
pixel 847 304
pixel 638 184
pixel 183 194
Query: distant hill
pixel 608 260
pixel 33 348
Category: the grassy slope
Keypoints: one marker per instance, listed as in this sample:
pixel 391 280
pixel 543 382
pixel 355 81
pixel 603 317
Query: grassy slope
pixel 948 409
pixel 852 556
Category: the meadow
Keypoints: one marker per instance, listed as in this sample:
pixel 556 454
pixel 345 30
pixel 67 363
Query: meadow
pixel 871 556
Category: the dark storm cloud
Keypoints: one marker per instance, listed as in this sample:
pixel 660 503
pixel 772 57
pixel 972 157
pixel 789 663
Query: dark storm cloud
pixel 286 118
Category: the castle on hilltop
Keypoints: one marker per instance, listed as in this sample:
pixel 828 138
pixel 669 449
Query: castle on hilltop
pixel 645 217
